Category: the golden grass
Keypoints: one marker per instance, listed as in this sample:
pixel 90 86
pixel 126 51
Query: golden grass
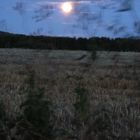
pixel 60 80
pixel 112 87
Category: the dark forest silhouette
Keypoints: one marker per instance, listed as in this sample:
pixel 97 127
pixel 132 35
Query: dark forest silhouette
pixel 8 40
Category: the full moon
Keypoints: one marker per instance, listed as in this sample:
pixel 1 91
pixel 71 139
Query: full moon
pixel 67 7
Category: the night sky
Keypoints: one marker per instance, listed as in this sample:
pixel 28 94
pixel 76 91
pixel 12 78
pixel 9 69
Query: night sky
pixel 108 18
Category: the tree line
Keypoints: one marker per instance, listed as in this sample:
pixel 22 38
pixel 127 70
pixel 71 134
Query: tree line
pixel 8 40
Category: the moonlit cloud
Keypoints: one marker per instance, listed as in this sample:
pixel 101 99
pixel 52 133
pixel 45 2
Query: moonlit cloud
pixel 31 6
pixel 88 18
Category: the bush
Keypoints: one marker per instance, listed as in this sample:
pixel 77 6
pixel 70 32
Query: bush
pixel 2 122
pixel 35 124
pixel 81 112
pixel 82 103
pixel 93 54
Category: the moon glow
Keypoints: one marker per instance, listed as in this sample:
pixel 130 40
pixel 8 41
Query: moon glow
pixel 67 7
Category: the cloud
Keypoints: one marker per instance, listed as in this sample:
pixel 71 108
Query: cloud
pixel 33 5
pixel 59 2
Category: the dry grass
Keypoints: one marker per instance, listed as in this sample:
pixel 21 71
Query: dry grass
pixel 112 88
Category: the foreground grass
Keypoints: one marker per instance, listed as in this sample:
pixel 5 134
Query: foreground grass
pixel 69 102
